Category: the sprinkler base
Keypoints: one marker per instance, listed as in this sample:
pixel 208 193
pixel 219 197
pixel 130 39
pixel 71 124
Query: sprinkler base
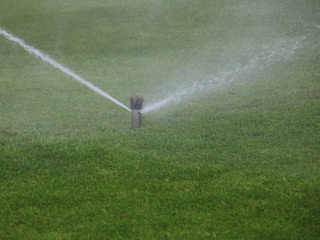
pixel 135 119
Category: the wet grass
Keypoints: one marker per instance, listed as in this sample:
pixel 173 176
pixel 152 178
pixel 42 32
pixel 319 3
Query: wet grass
pixel 238 162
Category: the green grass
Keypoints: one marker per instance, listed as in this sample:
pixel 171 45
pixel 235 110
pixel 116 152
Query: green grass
pixel 237 162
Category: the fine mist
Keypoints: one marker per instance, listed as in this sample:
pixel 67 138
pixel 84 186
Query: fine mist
pixel 279 51
pixel 236 40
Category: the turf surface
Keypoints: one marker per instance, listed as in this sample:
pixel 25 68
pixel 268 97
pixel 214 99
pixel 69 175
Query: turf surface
pixel 234 161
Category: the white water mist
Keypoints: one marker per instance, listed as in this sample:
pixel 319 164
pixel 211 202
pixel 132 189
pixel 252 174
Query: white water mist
pixel 280 50
pixel 59 66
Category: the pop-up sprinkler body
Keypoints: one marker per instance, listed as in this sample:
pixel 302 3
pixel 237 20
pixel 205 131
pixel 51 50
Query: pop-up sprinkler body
pixel 136 107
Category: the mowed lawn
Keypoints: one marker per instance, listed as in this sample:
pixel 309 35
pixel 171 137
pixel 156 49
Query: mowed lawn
pixel 237 160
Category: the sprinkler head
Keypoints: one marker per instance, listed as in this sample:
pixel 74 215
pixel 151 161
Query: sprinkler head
pixel 136 107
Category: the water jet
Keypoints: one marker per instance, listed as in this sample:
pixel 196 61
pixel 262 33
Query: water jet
pixel 55 64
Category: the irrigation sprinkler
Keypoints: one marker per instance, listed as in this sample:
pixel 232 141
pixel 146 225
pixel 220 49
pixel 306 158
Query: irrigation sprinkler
pixel 136 107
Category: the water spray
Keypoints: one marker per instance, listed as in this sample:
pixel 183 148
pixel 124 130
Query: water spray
pixel 59 66
pixel 280 50
pixel 136 107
